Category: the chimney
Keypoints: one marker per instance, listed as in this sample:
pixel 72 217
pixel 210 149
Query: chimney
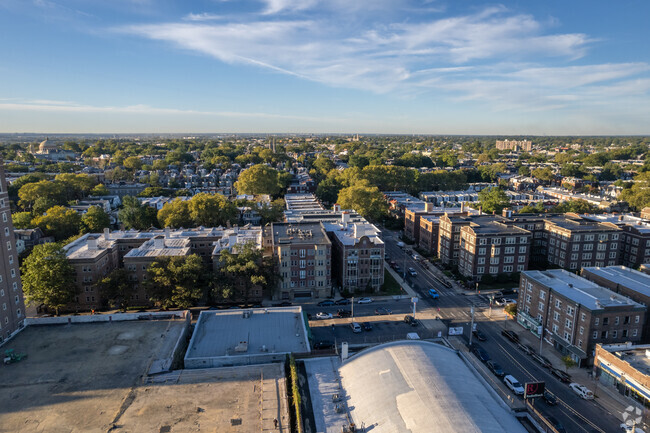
pixel 337 207
pixel 167 233
pixel 345 217
pixel 356 230
pixel 107 234
pixel 159 242
pixel 480 210
pixel 428 206
pixel 506 213
pixel 462 206
pixel 92 243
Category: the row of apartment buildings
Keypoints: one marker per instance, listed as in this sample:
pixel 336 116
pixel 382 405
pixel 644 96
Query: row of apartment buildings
pixel 479 244
pixel 312 255
pixel 605 305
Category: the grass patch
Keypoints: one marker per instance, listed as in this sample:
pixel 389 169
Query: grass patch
pixel 390 286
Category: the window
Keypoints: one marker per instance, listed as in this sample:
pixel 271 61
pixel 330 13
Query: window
pixel 528 298
pixel 558 303
pixel 556 315
pixel 596 321
pixel 603 335
pixel 542 295
pixel 614 334
pixel 624 333
pixel 494 269
pixel 568 323
pixel 636 318
pixel 595 336
pixel 626 320
pixel 540 306
pixel 616 320
pixel 605 321
pixel 634 332
pixel 569 310
pixel 567 336
pixel 582 330
pixel 11 259
pixel 522 249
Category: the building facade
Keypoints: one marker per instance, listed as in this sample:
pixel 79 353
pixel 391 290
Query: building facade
pixel 574 314
pixel 12 304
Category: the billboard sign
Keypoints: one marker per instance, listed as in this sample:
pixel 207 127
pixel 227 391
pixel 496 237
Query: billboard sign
pixel 534 389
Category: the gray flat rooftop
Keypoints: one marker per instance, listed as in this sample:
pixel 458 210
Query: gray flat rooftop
pixel 218 333
pixel 580 290
pixel 299 233
pixel 624 276
pixel 76 378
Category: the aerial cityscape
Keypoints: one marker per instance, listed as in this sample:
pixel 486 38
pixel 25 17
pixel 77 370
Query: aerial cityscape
pixel 324 217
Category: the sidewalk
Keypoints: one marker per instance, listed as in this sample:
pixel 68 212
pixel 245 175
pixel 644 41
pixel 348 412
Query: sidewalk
pixel 607 397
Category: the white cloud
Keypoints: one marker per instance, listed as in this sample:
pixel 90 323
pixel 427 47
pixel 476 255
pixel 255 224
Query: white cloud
pixel 202 17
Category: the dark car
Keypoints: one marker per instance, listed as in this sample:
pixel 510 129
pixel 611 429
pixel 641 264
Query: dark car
pixel 510 335
pixel 526 348
pixel 380 311
pixel 564 377
pixel 342 301
pixel 323 345
pixel 556 425
pixel 549 398
pixel 544 362
pixel 481 354
pixel 410 320
pixel 366 326
pixel 326 303
pixel 495 368
pixel 479 335
pixel 285 304
pixel 344 313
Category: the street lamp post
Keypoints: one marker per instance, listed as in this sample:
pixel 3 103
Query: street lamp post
pixel 471 327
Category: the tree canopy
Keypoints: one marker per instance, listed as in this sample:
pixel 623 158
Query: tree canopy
pixel 59 222
pixel 135 215
pixel 95 220
pixel 175 281
pixel 117 289
pixel 493 199
pixel 365 199
pixel 259 179
pixel 48 277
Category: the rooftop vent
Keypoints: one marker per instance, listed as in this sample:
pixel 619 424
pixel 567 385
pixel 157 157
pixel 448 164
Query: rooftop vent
pixel 242 347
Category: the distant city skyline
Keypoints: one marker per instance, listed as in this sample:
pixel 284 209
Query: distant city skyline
pixel 313 66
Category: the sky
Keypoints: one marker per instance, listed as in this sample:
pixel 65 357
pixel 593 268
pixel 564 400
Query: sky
pixel 552 67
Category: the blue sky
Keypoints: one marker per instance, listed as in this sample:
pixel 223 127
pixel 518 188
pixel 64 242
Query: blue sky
pixel 374 66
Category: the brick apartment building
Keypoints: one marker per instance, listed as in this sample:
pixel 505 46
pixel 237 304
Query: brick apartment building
pixel 12 305
pixel 94 256
pixel 449 234
pixel 625 281
pixel 304 254
pixel 574 242
pixel 493 248
pixel 635 238
pixel 357 255
pixel 575 313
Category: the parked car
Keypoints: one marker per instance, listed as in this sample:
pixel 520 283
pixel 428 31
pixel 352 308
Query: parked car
pixel 564 377
pixel 410 320
pixel 401 244
pixel 323 345
pixel 495 368
pixel 582 391
pixel 284 304
pixel 342 301
pixel 544 362
pixel 417 257
pixel 507 301
pixel 479 335
pixel 393 263
pixel 397 269
pixel 556 425
pixel 412 272
pixel 367 326
pixel 549 398
pixel 356 328
pixel 513 384
pixel 526 348
pixel 499 302
pixel 343 313
pixel 511 335
pixel 481 354
pixel 326 303
pixel 322 315
pixel 433 293
pixel 364 301
pixel 380 311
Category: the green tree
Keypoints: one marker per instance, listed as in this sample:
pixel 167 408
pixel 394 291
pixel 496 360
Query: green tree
pixel 95 220
pixel 212 210
pixel 135 215
pixel 175 214
pixel 544 174
pixel 48 277
pixel 52 192
pixel 365 199
pixel 273 212
pixel 159 164
pixel 537 208
pixel 99 190
pixel 154 191
pixel 577 206
pixel 242 271
pixel 524 171
pixel 568 363
pixel 259 179
pixel 22 220
pixel 132 163
pixel 75 186
pixel 59 222
pixel 175 281
pixel 493 200
pixel 117 289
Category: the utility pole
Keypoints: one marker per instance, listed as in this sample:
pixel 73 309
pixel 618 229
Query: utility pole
pixel 352 308
pixel 471 327
pixel 540 331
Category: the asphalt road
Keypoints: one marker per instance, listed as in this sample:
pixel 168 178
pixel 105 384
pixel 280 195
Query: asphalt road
pixel 575 414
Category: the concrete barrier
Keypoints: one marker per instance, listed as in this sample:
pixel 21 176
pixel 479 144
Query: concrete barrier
pixel 97 318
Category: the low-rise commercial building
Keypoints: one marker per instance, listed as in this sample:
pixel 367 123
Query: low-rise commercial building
pixel 574 314
pixel 625 367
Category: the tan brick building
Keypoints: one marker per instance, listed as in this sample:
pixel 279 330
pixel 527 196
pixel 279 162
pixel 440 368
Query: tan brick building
pixel 12 305
pixel 304 254
pixel 575 313
pixel 626 368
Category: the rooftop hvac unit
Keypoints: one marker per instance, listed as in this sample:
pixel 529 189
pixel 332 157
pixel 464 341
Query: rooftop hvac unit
pixel 242 346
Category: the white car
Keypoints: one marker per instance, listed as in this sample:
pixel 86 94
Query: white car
pixel 513 384
pixel 322 315
pixel 582 391
pixel 364 300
